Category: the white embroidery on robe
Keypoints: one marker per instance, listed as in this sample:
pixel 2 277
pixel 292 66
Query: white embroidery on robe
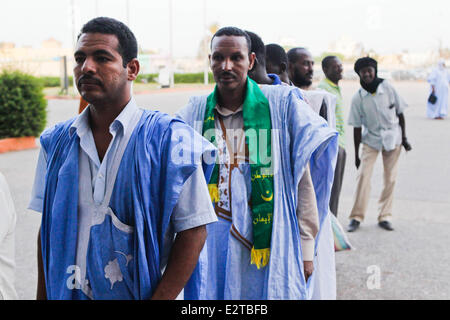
pixel 112 270
pixel 223 183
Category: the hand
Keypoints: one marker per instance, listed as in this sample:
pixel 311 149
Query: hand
pixel 308 267
pixel 406 144
pixel 357 162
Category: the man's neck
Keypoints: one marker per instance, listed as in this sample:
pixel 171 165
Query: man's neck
pixel 302 86
pixel 336 83
pixel 306 87
pixel 285 78
pixel 101 115
pixel 232 100
pixel 261 77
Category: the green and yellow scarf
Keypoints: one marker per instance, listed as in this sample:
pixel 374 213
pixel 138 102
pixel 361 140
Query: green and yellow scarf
pixel 257 126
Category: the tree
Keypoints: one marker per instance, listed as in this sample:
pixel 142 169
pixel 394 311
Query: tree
pixel 23 106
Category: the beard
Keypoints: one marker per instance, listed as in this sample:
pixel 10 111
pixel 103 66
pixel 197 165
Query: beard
pixel 300 80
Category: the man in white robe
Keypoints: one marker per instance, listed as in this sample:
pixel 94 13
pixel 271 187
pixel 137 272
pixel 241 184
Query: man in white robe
pixel 438 79
pixel 301 72
pixel 7 242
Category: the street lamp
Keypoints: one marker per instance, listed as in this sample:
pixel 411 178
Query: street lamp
pixel 74 36
pixel 96 8
pixel 128 13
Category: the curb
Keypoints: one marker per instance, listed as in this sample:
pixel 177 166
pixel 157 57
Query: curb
pixel 17 144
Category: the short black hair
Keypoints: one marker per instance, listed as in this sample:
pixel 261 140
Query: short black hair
pixel 327 60
pixel 292 54
pixel 258 47
pixel 128 47
pixel 276 54
pixel 233 31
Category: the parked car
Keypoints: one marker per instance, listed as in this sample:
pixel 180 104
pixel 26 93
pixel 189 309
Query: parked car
pixel 385 74
pixel 401 75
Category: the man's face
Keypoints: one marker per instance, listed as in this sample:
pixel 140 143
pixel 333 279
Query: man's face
pixel 230 62
pixel 334 70
pixel 367 74
pixel 99 72
pixel 301 72
pixel 273 68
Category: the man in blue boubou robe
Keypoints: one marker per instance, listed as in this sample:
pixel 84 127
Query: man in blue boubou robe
pixel 122 190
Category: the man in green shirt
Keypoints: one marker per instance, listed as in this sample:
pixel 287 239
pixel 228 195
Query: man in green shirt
pixel 332 68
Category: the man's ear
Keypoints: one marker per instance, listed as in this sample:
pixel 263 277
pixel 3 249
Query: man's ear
pixel 133 68
pixel 283 67
pixel 252 59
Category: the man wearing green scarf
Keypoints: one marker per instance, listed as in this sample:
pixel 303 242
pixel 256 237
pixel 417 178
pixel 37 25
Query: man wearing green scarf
pixel 267 139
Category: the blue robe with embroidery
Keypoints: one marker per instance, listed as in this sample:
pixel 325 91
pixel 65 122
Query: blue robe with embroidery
pixel 160 156
pixel 224 270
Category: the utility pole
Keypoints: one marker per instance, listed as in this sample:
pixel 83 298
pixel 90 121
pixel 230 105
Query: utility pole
pixel 74 36
pixel 205 45
pixel 172 80
pixel 96 8
pixel 64 76
pixel 72 12
pixel 128 13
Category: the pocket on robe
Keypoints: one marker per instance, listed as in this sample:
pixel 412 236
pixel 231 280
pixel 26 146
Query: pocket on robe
pixel 111 259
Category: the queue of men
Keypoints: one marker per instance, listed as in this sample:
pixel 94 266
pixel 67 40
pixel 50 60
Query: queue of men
pixel 229 199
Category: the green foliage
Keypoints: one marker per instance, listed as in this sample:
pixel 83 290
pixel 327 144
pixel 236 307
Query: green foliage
pixel 141 78
pixel 22 105
pixel 192 77
pixel 51 82
pixel 147 78
pixel 178 78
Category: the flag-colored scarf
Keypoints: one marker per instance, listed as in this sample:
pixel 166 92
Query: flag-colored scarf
pixel 257 126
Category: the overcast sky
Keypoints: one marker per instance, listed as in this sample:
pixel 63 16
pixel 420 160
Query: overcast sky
pixel 383 25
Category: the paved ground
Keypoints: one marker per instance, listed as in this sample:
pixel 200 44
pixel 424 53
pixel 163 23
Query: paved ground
pixel 408 263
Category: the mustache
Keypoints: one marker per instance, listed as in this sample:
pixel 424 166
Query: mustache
pixel 227 74
pixel 88 79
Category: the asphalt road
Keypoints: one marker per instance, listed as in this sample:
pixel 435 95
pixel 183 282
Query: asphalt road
pixel 408 263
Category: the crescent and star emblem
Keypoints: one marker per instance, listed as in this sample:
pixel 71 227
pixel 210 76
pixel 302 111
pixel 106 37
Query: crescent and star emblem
pixel 267 198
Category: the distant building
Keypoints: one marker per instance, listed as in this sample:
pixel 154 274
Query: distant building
pixel 346 46
pixel 51 44
pixel 42 61
pixel 6 46
pixel 420 59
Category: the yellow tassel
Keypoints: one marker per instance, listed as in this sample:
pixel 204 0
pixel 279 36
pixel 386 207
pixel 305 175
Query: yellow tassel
pixel 260 257
pixel 213 192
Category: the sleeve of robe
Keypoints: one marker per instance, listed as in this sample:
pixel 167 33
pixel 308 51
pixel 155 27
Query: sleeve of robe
pixel 308 215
